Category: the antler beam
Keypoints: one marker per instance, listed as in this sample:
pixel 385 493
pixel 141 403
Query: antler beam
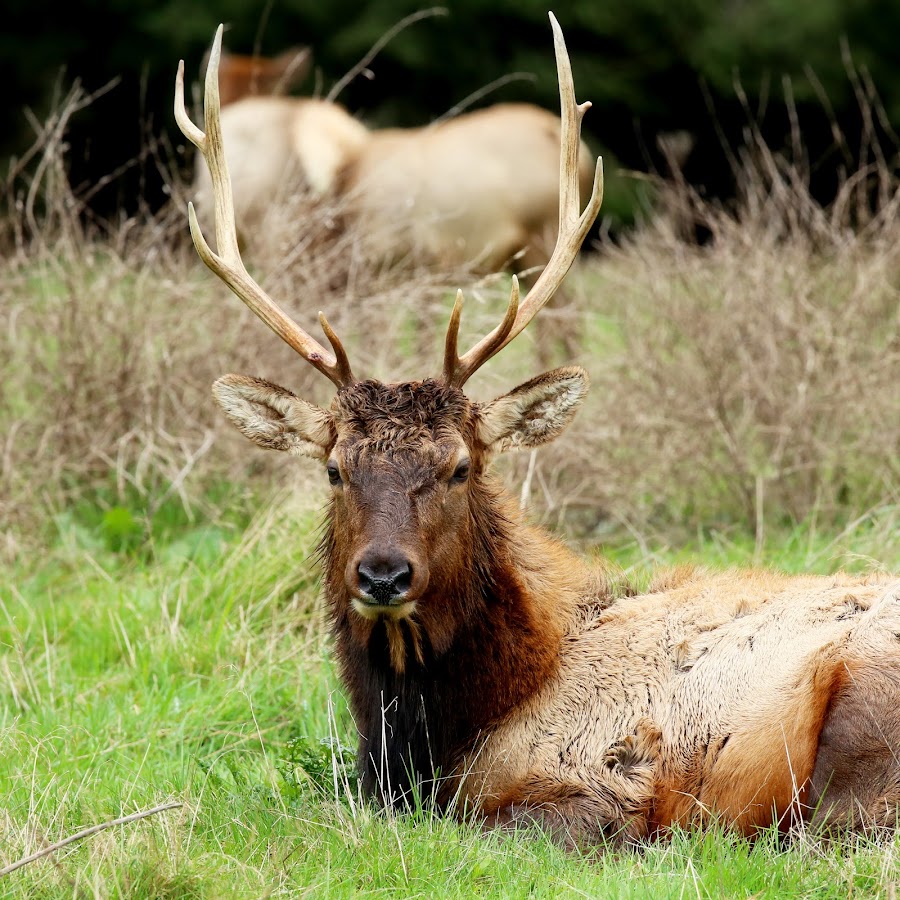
pixel 573 228
pixel 227 263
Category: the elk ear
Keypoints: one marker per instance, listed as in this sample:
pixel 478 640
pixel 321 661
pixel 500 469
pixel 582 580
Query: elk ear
pixel 275 418
pixel 535 412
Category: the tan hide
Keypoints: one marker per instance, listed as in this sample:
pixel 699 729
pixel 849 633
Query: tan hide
pixel 709 701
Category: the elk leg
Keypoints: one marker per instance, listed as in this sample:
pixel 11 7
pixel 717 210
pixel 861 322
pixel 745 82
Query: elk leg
pixel 572 813
pixel 610 803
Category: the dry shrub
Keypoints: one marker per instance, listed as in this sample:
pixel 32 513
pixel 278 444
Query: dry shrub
pixel 751 378
pixel 755 377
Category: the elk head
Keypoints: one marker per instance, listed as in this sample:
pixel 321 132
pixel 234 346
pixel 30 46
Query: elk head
pixel 406 462
pixel 244 75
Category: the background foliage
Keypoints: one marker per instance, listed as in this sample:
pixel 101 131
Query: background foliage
pixel 649 66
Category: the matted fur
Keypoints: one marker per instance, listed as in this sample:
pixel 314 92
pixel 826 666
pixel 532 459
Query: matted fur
pixel 719 689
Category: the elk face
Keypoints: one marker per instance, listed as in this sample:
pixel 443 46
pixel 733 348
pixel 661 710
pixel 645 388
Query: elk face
pixel 243 75
pixel 406 465
pixel 400 473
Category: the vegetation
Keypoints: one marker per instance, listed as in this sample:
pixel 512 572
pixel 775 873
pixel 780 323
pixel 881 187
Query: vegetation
pixel 161 638
pixel 748 380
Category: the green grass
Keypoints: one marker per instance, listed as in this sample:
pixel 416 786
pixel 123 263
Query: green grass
pixel 188 662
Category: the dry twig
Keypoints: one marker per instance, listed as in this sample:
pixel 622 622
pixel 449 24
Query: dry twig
pixel 86 832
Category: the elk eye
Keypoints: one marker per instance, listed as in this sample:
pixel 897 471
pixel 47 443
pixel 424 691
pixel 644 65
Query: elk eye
pixel 461 472
pixel 334 473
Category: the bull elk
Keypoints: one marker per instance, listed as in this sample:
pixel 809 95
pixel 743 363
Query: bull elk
pixel 495 673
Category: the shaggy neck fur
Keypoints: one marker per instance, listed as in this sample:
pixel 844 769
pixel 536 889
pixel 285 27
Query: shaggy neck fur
pixel 482 641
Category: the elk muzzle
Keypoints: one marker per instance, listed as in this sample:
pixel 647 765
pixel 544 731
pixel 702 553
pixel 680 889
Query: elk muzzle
pixel 385 580
pixel 385 577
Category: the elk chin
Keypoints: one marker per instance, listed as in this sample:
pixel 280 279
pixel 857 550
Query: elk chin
pixel 376 595
pixel 371 611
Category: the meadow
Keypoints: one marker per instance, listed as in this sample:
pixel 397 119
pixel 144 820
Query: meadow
pixel 161 632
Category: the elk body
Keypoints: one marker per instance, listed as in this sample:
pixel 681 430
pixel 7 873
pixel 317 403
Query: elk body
pixel 476 189
pixel 495 672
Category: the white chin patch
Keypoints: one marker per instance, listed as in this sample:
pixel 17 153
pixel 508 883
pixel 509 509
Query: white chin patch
pixel 396 613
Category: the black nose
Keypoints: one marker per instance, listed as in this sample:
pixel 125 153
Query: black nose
pixel 384 577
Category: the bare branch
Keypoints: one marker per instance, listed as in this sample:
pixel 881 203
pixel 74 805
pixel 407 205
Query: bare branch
pixel 380 44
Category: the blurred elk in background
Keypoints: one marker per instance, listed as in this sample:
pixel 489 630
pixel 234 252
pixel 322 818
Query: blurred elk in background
pixel 480 187
pixel 477 191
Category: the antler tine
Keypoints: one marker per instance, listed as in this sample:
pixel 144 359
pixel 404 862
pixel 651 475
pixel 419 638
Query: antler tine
pixel 451 359
pixel 342 362
pixel 227 263
pixel 456 369
pixel 573 228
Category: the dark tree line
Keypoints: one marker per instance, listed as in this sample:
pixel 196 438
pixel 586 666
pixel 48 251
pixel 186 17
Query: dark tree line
pixel 702 67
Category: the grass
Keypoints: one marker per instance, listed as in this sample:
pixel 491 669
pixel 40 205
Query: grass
pixel 194 666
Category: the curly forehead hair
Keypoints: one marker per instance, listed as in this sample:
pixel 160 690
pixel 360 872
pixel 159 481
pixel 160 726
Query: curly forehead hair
pixel 391 417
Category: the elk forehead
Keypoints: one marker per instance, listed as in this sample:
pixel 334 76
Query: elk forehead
pixel 412 418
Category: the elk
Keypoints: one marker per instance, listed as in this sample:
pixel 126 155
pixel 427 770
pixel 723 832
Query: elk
pixel 497 675
pixel 457 192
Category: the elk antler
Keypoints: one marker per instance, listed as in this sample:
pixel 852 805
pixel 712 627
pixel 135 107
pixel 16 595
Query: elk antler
pixel 573 227
pixel 227 263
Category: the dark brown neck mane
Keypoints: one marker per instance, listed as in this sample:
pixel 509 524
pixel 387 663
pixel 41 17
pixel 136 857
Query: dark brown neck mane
pixel 479 645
